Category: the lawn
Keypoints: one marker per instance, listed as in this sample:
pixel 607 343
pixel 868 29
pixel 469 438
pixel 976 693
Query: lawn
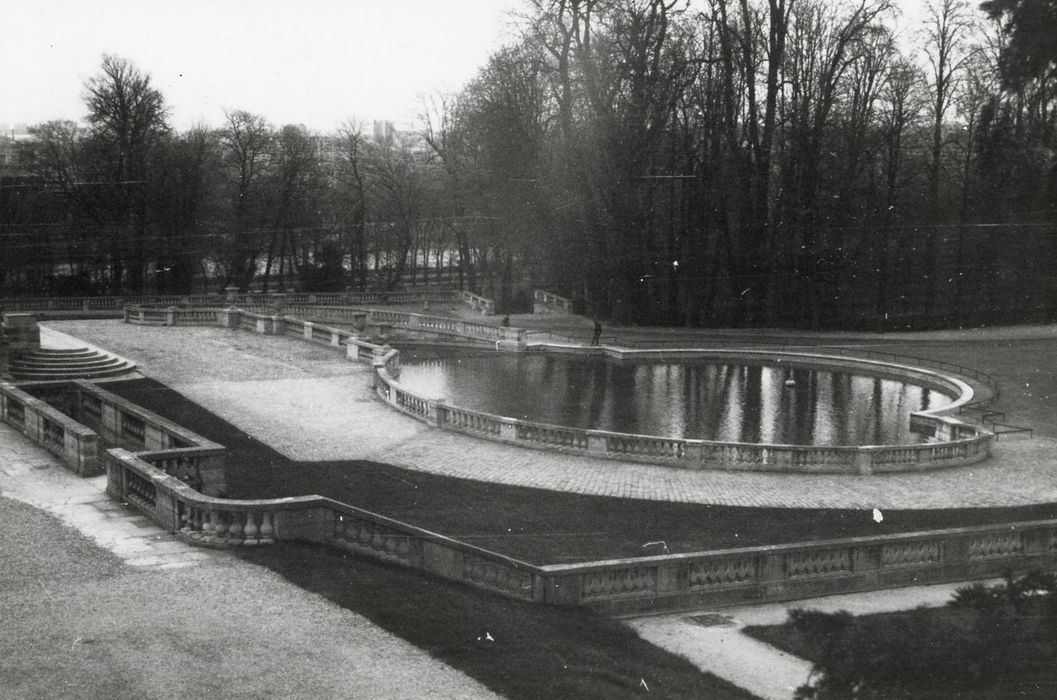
pixel 518 649
pixel 537 526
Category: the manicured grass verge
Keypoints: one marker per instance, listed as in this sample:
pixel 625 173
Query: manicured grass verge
pixel 538 526
pixel 517 649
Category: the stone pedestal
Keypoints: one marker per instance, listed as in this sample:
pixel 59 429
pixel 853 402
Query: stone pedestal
pixel 22 334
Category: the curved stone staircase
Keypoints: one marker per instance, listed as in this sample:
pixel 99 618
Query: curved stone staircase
pixel 68 363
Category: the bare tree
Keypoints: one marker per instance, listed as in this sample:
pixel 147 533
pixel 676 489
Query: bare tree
pixel 128 117
pixel 245 140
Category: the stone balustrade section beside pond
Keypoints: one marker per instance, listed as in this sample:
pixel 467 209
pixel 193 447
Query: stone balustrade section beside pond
pixel 953 442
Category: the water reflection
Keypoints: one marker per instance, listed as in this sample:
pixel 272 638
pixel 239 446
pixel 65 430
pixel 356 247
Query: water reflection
pixel 739 403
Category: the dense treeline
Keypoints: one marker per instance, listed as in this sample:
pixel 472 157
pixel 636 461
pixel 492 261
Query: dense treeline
pixel 739 162
pixel 123 204
pixel 717 162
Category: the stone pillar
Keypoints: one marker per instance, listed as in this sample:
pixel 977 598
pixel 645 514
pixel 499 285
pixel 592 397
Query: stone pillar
pixel 231 295
pixel 864 461
pixel 597 444
pixel 22 334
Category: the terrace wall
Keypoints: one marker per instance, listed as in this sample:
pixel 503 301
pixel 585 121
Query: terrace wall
pixel 73 419
pixel 625 586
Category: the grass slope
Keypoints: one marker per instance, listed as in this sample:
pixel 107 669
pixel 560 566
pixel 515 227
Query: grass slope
pixel 517 649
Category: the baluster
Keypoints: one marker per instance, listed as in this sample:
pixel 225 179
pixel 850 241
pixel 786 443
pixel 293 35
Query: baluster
pixel 266 527
pixel 220 525
pixel 251 529
pixel 364 536
pixel 234 527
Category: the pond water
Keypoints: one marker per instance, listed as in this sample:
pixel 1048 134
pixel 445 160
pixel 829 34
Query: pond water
pixel 692 400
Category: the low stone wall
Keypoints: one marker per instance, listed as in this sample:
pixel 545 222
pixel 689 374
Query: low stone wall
pixel 90 415
pixel 76 445
pixel 956 443
pixel 803 570
pixel 479 303
pixel 544 302
pixel 624 586
pixel 293 315
pixel 227 523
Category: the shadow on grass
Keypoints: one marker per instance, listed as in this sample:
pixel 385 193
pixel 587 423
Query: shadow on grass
pixel 520 650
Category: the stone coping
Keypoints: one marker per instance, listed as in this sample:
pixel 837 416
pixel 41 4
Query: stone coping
pixel 968 443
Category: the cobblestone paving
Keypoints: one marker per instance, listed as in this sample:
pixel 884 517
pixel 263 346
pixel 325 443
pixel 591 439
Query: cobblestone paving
pixel 308 402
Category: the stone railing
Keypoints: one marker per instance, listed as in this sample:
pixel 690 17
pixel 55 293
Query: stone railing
pixel 479 303
pixel 952 443
pixel 955 443
pixel 227 522
pixel 544 302
pixel 623 586
pixel 95 415
pixel 114 304
pixel 263 321
pixel 801 570
pixel 76 445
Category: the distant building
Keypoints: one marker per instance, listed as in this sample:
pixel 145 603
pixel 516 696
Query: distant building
pixel 10 159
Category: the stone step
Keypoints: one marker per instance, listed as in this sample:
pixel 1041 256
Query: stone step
pixel 61 352
pixel 98 367
pixel 72 362
pixel 68 363
pixel 71 373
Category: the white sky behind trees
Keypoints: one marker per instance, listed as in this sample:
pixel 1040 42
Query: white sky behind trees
pixel 316 62
pixel 312 62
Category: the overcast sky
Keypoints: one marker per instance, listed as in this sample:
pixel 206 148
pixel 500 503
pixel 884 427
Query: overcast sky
pixel 314 62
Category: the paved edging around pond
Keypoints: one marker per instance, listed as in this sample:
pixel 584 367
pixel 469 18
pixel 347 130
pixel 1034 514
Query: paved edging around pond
pixel 250 380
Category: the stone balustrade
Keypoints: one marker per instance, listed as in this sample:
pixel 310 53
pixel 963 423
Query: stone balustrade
pixel 94 415
pixel 76 445
pixel 116 303
pixel 623 586
pixel 221 522
pixel 479 303
pixel 782 572
pixel 543 302
pixel 954 442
